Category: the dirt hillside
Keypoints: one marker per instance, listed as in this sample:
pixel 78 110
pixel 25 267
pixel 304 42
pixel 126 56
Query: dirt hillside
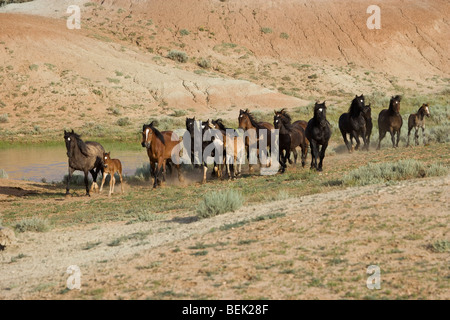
pixel 255 54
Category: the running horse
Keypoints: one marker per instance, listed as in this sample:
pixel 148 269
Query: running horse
pixel 417 121
pixel 160 146
pixel 390 120
pixel 84 156
pixel 248 122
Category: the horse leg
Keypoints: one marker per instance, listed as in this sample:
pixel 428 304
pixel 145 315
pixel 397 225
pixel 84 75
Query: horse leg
pixel 111 185
pixel 295 156
pixel 103 181
pixel 322 155
pixel 86 182
pixel 205 169
pixel 94 180
pixel 409 131
pixel 356 136
pixel 304 154
pixel 416 136
pixel 398 138
pixel 381 135
pixel 423 134
pixel 180 176
pixel 68 179
pixel 392 133
pixel 157 172
pixel 313 154
pixel 121 181
pixel 347 144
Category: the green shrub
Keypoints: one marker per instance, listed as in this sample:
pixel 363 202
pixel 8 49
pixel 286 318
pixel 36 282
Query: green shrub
pixel 32 224
pixel 4 118
pixel 392 171
pixel 34 67
pixel 204 63
pixel 284 35
pixel 440 246
pixel 123 121
pixel 179 56
pixel 439 134
pixel 266 30
pixel 184 32
pixel 219 202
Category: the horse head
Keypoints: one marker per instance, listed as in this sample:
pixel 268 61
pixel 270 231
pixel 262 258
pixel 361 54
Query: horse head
pixel 320 113
pixel 425 109
pixel 147 134
pixel 244 120
pixel 357 104
pixel 106 158
pixel 190 122
pixel 394 104
pixel 367 112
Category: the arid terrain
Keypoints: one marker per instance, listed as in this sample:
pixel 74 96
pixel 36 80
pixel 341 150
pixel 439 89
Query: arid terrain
pixel 298 235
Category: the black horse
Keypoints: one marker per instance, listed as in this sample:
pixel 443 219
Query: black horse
pixel 354 123
pixel 290 137
pixel 84 156
pixel 390 120
pixel 318 132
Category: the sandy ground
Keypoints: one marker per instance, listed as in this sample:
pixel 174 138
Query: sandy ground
pixel 42 272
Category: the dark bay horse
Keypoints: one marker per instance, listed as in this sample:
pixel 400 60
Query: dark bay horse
pixel 248 122
pixel 159 147
pixel 390 120
pixel 417 121
pixel 353 123
pixel 290 137
pixel 84 156
pixel 318 132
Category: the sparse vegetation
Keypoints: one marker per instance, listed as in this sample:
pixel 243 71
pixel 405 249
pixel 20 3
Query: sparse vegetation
pixel 219 202
pixel 179 56
pixel 32 224
pixel 392 171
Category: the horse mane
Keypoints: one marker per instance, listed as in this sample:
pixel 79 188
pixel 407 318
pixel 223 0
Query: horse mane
pixel 157 133
pixel 286 116
pixel 81 144
pixel 220 124
pixel 252 119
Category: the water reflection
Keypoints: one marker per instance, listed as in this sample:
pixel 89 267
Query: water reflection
pixel 50 163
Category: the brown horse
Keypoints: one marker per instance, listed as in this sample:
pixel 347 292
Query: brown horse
pixel 159 150
pixel 290 137
pixel 111 167
pixel 247 122
pixel 390 120
pixel 417 121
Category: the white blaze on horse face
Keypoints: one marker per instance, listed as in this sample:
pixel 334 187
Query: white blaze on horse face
pixel 426 109
pixel 146 134
pixel 320 109
pixel 68 139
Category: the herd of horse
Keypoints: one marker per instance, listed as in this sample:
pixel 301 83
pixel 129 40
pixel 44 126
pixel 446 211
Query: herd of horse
pixel 261 142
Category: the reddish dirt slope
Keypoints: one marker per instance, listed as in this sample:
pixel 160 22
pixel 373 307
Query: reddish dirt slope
pixel 413 36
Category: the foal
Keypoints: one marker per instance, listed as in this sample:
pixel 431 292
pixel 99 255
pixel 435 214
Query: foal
pixel 416 121
pixel 111 166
